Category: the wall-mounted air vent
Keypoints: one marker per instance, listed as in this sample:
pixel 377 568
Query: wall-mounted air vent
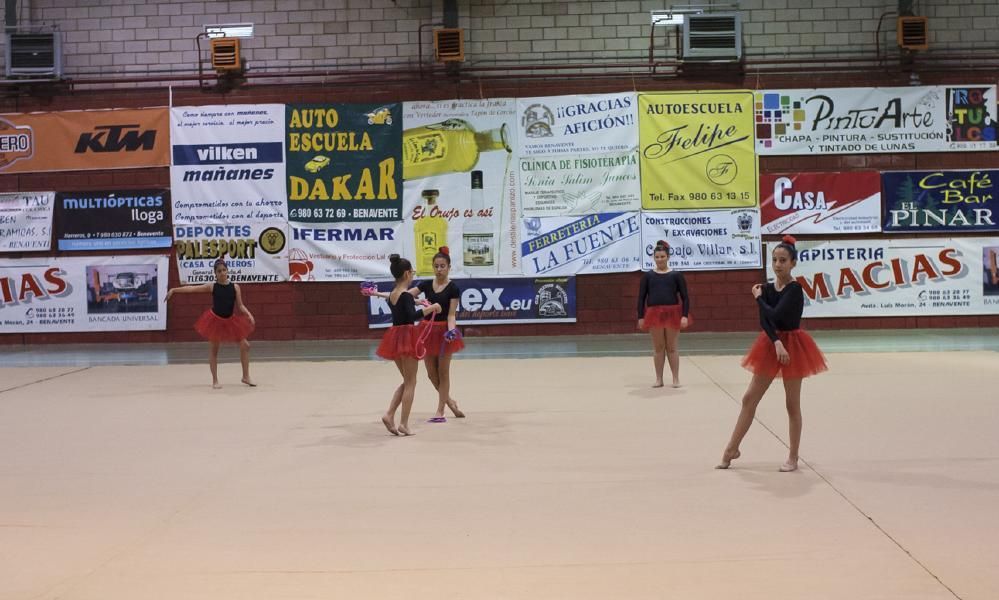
pixel 712 36
pixel 33 54
pixel 449 45
pixel 225 54
pixel 912 33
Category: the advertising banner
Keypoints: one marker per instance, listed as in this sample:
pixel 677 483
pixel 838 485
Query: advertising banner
pixel 84 140
pixel 343 162
pixel 709 240
pixel 898 277
pixel 95 293
pixel 228 191
pixel 228 165
pixel 254 252
pixel 578 124
pixel 600 243
pixel 26 221
pixel 460 187
pixel 579 185
pixel 876 120
pixel 578 154
pixel 515 300
pixel 825 203
pixel 696 150
pixel 940 201
pixel 342 251
pixel 113 220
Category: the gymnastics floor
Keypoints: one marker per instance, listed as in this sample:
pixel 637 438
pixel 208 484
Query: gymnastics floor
pixel 123 475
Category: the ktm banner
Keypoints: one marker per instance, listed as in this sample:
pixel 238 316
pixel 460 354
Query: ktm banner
pixel 84 140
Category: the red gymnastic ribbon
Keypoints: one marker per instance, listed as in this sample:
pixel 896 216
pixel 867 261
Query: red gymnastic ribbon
pixel 421 341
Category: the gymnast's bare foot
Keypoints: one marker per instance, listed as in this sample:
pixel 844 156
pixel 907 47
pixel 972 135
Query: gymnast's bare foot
pixel 727 459
pixel 454 408
pixel 404 430
pixel 387 422
pixel 659 383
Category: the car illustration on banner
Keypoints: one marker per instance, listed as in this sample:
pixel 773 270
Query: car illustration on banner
pixel 317 163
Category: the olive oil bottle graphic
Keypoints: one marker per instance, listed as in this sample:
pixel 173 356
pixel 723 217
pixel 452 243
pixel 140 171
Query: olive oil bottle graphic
pixel 429 232
pixel 451 146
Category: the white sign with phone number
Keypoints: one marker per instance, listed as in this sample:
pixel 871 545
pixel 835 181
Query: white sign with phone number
pixel 26 221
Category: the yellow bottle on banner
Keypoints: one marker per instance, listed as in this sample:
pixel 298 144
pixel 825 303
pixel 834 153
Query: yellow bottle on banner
pixel 451 146
pixel 430 233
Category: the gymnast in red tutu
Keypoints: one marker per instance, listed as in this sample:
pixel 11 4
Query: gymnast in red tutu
pixel 444 339
pixel 221 322
pixel 400 342
pixel 664 291
pixel 782 350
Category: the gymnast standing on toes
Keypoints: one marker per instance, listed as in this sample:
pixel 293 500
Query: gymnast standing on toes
pixel 665 293
pixel 444 338
pixel 221 323
pixel 783 350
pixel 401 340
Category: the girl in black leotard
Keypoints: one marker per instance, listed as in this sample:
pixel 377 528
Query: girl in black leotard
pixel 221 323
pixel 399 342
pixel 783 350
pixel 440 346
pixel 664 291
pixel 444 338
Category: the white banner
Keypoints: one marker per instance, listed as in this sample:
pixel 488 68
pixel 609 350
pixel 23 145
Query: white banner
pixel 26 221
pixel 876 120
pixel 895 278
pixel 706 240
pixel 254 252
pixel 95 293
pixel 228 189
pixel 343 251
pixel 228 164
pixel 460 186
pixel 600 243
pixel 579 185
pixel 579 154
pixel 578 124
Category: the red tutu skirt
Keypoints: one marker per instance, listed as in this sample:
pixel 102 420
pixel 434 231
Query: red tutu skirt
pixel 806 358
pixel 399 341
pixel 217 329
pixel 437 345
pixel 665 316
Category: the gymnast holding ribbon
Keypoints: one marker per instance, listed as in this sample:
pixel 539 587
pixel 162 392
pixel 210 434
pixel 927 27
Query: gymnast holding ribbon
pixel 445 337
pixel 439 337
pixel 403 342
